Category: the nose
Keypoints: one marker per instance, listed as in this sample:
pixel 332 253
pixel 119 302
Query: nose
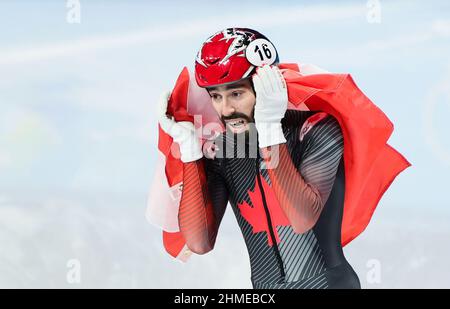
pixel 227 107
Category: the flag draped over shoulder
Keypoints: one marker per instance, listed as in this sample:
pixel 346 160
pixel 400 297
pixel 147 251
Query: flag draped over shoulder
pixel 371 165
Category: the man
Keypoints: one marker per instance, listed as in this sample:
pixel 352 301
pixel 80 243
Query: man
pixel 288 198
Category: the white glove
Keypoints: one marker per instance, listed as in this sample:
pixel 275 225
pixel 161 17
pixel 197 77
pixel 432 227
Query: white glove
pixel 271 105
pixel 182 132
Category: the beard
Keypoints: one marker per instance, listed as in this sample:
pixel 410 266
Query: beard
pixel 236 115
pixel 250 135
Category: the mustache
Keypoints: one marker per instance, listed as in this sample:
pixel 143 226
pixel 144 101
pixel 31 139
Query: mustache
pixel 236 115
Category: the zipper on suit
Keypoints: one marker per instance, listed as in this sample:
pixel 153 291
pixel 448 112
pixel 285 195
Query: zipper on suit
pixel 269 220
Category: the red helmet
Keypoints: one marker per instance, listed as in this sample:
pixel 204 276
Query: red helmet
pixel 231 55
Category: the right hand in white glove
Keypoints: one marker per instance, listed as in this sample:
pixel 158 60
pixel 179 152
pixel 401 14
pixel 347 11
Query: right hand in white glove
pixel 182 132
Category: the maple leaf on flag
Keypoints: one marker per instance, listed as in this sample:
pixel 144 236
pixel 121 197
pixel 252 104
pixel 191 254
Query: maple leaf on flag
pixel 256 215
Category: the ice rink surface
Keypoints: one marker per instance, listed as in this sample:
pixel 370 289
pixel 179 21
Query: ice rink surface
pixel 117 248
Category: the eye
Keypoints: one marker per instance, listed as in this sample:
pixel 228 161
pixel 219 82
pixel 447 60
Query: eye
pixel 236 94
pixel 215 96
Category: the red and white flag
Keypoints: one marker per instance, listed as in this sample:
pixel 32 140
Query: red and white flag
pixel 371 165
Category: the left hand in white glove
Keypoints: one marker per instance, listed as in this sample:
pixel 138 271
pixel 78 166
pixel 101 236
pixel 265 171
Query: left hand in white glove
pixel 271 105
pixel 182 132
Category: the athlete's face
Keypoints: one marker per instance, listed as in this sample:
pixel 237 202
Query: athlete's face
pixel 235 104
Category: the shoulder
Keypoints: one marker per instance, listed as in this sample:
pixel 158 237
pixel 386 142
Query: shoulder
pixel 320 125
pixel 293 121
pixel 302 125
pixel 321 133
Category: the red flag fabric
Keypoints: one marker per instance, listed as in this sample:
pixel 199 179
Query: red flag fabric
pixel 371 165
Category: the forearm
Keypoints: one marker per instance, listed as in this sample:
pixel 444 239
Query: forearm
pixel 196 217
pixel 301 202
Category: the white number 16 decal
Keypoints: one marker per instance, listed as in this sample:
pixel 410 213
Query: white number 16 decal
pixel 260 52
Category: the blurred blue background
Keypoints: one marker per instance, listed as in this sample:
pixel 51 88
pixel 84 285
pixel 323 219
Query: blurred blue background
pixel 78 133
